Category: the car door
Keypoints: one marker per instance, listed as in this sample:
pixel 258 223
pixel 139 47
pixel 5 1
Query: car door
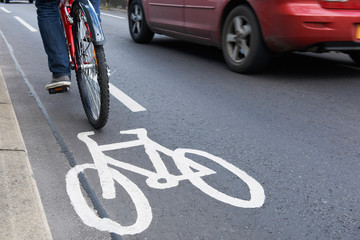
pixel 166 14
pixel 201 17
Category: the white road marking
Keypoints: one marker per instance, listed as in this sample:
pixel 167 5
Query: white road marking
pixel 89 217
pixel 25 24
pixel 125 99
pixel 110 15
pixel 108 170
pixel 5 10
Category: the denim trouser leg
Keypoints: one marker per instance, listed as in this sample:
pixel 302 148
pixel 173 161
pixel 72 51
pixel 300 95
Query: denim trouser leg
pixel 52 34
pixel 96 5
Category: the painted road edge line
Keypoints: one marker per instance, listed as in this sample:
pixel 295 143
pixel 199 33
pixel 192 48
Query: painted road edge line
pixel 25 24
pixel 110 15
pixel 125 99
pixel 24 216
pixel 5 10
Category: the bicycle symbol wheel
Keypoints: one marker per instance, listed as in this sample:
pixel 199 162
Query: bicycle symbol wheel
pixel 90 218
pixel 185 164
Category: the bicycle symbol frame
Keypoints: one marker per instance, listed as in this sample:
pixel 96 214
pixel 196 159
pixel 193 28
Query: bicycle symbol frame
pixel 160 179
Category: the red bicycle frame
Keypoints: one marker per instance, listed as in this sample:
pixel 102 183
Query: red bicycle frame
pixel 67 20
pixel 65 9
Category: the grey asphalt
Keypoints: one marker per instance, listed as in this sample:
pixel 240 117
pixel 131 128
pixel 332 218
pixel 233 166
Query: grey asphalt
pixel 21 212
pixel 295 128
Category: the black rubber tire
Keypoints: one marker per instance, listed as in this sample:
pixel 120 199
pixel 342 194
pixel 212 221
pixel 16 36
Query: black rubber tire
pixel 99 86
pixel 31 1
pixel 246 52
pixel 138 27
pixel 7 1
pixel 355 56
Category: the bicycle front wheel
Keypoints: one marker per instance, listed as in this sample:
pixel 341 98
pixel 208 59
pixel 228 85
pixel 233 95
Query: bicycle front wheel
pixel 91 74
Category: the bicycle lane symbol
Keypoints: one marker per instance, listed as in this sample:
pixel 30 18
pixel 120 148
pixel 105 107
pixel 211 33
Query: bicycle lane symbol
pixel 161 178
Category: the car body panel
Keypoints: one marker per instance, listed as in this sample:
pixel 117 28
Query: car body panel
pixel 286 25
pixel 200 17
pixel 165 14
pixel 345 4
pixel 295 25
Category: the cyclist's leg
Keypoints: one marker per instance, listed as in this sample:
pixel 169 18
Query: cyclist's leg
pixel 96 5
pixel 53 38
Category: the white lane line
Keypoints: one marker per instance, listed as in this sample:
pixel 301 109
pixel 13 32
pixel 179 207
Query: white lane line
pixel 110 15
pixel 5 10
pixel 25 24
pixel 125 99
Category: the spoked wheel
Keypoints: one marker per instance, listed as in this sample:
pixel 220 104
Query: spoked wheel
pixel 92 76
pixel 243 47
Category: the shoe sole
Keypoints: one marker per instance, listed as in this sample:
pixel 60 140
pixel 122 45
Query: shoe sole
pixel 57 84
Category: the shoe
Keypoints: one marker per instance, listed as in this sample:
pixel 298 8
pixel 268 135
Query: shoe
pixel 63 81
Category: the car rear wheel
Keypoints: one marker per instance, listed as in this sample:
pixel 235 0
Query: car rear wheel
pixel 355 56
pixel 243 47
pixel 139 30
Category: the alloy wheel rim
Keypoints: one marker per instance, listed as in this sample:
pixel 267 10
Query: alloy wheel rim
pixel 136 18
pixel 238 39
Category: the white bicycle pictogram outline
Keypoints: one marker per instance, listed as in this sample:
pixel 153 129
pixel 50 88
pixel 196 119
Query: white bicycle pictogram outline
pixel 160 179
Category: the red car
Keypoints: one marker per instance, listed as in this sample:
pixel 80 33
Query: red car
pixel 249 31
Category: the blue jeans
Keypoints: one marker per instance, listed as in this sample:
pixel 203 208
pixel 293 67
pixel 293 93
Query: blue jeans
pixel 52 34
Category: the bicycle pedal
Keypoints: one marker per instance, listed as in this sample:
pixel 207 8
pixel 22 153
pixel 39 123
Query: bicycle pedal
pixel 58 90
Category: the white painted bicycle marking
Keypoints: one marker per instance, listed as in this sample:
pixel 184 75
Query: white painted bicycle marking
pixel 161 178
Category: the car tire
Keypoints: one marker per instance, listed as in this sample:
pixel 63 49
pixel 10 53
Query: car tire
pixel 31 1
pixel 242 43
pixel 139 30
pixel 355 56
pixel 7 1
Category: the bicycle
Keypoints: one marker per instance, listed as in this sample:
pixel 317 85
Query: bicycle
pixel 85 40
pixel 160 179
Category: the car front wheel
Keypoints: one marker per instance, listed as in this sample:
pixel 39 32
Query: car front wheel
pixel 243 47
pixel 139 30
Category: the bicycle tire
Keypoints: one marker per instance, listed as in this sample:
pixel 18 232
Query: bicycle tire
pixel 92 72
pixel 186 165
